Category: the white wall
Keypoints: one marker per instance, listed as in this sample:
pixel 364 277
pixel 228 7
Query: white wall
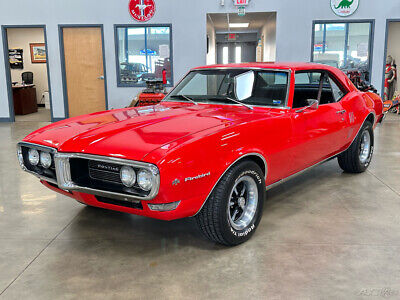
pixel 21 38
pixel 188 19
pixel 268 31
pixel 394 45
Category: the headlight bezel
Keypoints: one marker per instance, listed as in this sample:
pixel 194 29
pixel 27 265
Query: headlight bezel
pixel 65 182
pixel 47 174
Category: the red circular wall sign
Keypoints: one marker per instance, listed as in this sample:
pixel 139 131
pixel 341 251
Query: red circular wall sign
pixel 142 10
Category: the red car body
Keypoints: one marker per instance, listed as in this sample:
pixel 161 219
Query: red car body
pixel 201 142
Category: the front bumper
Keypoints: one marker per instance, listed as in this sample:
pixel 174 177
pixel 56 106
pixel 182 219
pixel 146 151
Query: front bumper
pixel 183 210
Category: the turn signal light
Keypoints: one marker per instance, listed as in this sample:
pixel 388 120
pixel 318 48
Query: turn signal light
pixel 164 206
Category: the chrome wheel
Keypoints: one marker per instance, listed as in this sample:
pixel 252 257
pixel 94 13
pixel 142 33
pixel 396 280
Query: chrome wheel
pixel 242 205
pixel 365 147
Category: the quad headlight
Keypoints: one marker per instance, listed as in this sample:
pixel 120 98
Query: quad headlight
pixel 145 179
pixel 128 176
pixel 45 159
pixel 33 157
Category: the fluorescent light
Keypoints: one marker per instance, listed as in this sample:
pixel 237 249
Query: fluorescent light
pixel 238 25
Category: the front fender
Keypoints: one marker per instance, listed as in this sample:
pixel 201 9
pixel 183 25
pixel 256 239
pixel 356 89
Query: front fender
pixel 195 168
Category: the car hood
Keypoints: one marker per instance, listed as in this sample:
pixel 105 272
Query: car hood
pixel 132 133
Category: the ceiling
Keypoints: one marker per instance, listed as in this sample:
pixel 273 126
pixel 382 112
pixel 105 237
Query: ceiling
pixel 256 20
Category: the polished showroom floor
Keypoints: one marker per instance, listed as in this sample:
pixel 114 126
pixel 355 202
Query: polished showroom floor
pixel 324 235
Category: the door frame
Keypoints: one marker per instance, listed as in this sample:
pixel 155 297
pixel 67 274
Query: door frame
pixel 62 56
pixel 8 68
pixel 385 51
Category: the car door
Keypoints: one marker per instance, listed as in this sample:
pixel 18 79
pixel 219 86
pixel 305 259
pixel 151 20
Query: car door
pixel 318 133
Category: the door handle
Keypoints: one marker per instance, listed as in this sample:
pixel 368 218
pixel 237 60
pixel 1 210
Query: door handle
pixel 341 111
pixel 101 77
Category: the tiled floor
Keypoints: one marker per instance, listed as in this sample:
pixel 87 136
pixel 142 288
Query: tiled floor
pixel 324 235
pixel 43 115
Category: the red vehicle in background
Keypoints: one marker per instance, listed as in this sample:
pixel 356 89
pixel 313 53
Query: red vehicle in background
pixel 212 147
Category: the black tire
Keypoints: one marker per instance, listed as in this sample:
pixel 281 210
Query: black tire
pixel 350 160
pixel 214 220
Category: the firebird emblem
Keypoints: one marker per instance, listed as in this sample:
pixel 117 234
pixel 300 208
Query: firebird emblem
pixel 176 182
pixel 197 177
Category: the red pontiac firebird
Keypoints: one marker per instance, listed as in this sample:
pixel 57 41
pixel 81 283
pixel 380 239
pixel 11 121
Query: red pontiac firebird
pixel 212 147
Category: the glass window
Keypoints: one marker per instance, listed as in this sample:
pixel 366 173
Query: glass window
pixel 308 85
pixel 336 90
pixel 225 55
pixel 343 45
pixel 217 86
pixel 143 54
pixel 238 54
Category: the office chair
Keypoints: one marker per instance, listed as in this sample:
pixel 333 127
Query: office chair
pixel 27 77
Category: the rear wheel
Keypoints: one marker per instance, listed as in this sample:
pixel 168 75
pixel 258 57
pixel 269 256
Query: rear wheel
pixel 234 208
pixel 357 158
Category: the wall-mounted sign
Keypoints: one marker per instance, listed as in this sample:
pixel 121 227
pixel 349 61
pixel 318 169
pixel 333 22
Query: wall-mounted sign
pixel 241 11
pixel 148 52
pixel 318 47
pixel 142 10
pixel 241 2
pixel 232 36
pixel 344 8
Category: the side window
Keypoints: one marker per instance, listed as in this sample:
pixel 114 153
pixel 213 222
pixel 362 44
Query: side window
pixel 337 92
pixel 306 87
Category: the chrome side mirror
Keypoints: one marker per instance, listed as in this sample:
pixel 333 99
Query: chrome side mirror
pixel 312 105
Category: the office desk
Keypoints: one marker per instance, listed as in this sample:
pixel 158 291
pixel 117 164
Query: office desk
pixel 25 101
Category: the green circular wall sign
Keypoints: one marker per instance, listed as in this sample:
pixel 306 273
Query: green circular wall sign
pixel 344 8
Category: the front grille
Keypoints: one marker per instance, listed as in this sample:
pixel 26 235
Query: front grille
pixel 104 171
pixel 102 176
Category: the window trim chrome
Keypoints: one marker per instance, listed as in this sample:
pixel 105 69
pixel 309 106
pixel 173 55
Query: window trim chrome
pixel 63 173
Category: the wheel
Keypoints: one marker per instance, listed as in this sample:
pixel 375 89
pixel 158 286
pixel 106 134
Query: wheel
pixel 234 209
pixel 357 157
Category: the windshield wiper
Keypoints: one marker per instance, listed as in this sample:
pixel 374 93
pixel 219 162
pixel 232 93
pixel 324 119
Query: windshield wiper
pixel 184 97
pixel 233 100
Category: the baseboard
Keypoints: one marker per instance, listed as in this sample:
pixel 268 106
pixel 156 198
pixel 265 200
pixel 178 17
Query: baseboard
pixel 5 120
pixel 57 119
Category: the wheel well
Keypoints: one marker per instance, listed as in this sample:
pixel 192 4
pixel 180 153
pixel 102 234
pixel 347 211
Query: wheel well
pixel 371 118
pixel 258 160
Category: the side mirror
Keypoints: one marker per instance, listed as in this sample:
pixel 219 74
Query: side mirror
pixel 312 105
pixel 244 85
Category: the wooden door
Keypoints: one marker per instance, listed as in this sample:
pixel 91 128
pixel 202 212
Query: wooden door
pixel 84 70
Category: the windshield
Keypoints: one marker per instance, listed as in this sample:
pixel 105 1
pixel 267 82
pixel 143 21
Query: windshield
pixel 251 87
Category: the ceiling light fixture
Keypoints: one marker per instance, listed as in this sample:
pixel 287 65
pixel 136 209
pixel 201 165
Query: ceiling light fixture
pixel 238 25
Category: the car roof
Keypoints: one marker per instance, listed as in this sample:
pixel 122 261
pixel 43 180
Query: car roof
pixel 296 66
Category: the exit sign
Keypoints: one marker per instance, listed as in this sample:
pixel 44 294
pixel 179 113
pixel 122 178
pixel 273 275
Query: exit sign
pixel 241 2
pixel 232 36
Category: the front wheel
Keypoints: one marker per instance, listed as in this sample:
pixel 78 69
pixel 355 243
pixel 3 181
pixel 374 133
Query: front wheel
pixel 357 157
pixel 234 208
